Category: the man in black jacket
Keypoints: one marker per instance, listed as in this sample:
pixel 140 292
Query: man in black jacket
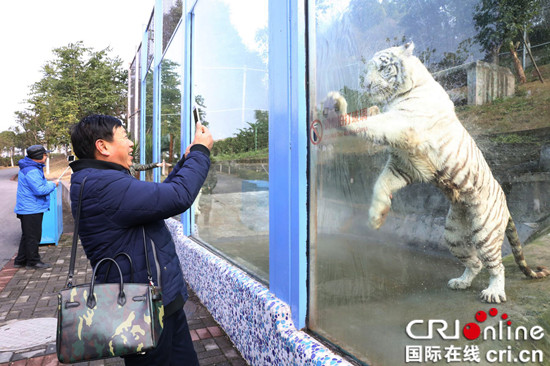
pixel 116 208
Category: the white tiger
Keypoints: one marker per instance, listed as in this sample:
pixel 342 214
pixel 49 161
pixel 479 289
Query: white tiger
pixel 429 144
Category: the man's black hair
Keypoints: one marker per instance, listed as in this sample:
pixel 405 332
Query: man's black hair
pixel 85 133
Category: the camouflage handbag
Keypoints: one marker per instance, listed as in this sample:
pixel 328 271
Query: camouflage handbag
pixel 102 320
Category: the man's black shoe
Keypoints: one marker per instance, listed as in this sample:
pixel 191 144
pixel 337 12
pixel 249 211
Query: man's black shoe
pixel 15 265
pixel 40 265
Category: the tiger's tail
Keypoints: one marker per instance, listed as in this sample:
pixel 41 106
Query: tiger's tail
pixel 513 238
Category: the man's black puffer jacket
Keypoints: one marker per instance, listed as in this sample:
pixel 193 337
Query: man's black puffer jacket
pixel 116 207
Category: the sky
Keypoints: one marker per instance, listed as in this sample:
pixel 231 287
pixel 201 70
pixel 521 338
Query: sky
pixel 33 28
pixel 230 49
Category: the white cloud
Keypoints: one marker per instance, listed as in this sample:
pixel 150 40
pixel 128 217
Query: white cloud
pixel 250 17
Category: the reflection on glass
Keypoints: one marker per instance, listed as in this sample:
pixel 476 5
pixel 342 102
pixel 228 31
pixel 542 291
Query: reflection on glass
pixel 133 101
pixel 170 115
pixel 172 10
pixel 367 285
pixel 151 41
pixel 230 87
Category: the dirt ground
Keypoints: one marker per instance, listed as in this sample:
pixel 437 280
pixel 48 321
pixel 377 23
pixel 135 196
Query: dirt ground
pixel 58 164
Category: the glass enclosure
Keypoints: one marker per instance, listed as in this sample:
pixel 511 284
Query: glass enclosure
pixel 151 41
pixel 230 88
pixel 367 285
pixel 134 99
pixel 171 15
pixel 170 115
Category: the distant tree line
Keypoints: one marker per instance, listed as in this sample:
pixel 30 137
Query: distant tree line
pixel 466 29
pixel 78 81
pixel 254 137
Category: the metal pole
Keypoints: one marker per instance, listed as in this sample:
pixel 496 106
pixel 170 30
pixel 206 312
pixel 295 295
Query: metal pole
pixel 524 48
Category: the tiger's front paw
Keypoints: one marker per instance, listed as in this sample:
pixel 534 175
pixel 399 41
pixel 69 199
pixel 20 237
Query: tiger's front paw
pixel 458 284
pixel 464 281
pixel 373 111
pixel 378 217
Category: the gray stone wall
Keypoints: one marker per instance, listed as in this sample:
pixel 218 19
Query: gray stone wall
pixel 487 82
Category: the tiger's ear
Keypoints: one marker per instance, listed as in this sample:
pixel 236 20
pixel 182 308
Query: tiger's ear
pixel 408 48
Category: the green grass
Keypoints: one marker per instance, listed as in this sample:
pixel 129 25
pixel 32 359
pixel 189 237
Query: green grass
pixel 249 155
pixel 528 109
pixel 514 139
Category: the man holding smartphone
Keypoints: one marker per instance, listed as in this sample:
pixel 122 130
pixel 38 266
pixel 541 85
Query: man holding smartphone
pixel 116 208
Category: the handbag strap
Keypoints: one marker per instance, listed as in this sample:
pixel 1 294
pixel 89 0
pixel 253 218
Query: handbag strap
pixel 70 275
pixel 149 274
pixel 127 256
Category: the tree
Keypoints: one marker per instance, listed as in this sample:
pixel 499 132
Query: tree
pixel 170 107
pixel 8 142
pixel 31 132
pixel 199 101
pixel 502 23
pixel 170 21
pixel 438 28
pixel 540 32
pixel 252 138
pixel 77 82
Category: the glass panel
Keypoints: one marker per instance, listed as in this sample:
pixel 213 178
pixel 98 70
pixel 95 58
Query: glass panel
pixel 138 99
pixel 149 125
pixel 380 126
pixel 170 118
pixel 151 41
pixel 230 81
pixel 172 10
pixel 133 100
pixel 131 128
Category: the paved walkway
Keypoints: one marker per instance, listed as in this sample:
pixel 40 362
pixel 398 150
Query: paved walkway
pixel 28 308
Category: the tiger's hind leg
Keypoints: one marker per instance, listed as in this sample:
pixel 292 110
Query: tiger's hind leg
pixel 456 239
pixel 495 293
pixel 469 259
pixel 489 251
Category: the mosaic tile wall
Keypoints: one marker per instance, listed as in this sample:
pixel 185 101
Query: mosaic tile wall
pixel 258 323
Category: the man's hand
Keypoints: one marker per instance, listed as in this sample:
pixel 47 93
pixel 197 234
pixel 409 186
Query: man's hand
pixel 203 136
pixel 160 165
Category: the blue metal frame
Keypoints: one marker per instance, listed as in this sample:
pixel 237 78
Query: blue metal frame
pixel 288 156
pixel 287 142
pixel 143 101
pixel 188 129
pixel 156 87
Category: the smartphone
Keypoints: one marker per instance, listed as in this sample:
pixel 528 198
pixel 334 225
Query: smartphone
pixel 70 158
pixel 196 114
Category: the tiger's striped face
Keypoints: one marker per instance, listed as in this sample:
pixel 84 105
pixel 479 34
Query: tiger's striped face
pixel 386 75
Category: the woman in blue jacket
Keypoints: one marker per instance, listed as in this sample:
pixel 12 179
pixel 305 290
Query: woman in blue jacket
pixel 33 199
pixel 115 210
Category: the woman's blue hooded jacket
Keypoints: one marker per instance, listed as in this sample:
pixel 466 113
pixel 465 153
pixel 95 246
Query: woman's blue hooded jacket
pixel 33 190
